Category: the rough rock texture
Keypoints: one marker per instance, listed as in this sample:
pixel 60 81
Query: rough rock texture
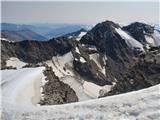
pixel 88 69
pixel 55 91
pixel 35 51
pixel 139 30
pixel 109 43
pixel 144 74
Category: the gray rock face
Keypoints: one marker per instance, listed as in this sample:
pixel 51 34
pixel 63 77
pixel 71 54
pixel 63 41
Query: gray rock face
pixel 109 43
pixel 55 91
pixel 35 51
pixel 139 30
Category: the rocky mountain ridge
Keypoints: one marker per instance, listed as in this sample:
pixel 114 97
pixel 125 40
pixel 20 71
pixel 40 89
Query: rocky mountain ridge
pixel 126 58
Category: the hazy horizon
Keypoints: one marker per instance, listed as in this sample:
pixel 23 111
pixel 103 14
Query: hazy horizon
pixel 79 12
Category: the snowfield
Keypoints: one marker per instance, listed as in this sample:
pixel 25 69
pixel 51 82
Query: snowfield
pixel 62 65
pixel 95 58
pixel 22 86
pixel 130 41
pixel 76 83
pixel 15 62
pixel 139 105
pixel 94 90
pixel 21 91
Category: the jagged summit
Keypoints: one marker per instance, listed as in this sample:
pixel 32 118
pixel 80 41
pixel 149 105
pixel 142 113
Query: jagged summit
pixel 105 37
pixel 108 24
pixel 140 26
pixel 139 30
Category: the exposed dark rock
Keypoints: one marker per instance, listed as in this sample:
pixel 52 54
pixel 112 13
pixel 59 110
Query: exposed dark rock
pixel 109 43
pixel 55 91
pixel 31 65
pixel 35 51
pixel 144 74
pixel 89 69
pixel 139 30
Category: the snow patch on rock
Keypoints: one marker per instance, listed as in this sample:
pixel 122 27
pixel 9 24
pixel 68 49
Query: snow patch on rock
pixel 95 58
pixel 77 85
pixel 130 41
pixel 62 65
pixel 15 62
pixel 150 40
pixel 80 35
pixel 82 60
pixel 94 90
pixel 77 50
pixel 156 36
pixel 4 39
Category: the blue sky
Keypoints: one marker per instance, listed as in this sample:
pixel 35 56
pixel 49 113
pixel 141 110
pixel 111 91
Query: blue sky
pixel 79 12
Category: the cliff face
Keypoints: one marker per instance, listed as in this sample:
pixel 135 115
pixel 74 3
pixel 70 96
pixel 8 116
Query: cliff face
pixel 112 46
pixel 55 91
pixel 35 51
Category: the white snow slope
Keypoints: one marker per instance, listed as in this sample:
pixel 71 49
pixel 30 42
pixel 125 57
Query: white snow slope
pixel 153 40
pixel 139 105
pixel 15 62
pixel 130 41
pixel 58 63
pixel 22 86
pixel 80 35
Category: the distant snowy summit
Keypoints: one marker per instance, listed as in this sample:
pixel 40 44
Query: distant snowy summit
pixel 76 35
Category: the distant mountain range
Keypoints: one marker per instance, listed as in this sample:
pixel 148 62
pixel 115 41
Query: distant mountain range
pixel 21 35
pixel 40 31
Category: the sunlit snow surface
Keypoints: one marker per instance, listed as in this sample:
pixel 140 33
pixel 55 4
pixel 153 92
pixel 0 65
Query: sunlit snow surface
pixel 4 39
pixel 138 105
pixel 80 35
pixel 22 86
pixel 21 93
pixel 61 65
pixel 156 36
pixel 153 40
pixel 15 62
pixel 130 41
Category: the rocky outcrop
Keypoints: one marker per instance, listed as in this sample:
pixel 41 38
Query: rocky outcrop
pixel 35 51
pixel 55 91
pixel 110 44
pixel 144 74
pixel 139 30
